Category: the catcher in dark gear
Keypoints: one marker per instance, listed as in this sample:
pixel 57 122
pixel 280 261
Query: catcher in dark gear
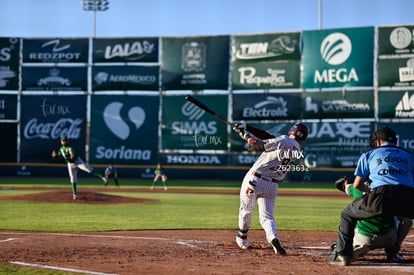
pixel 380 232
pixel 390 194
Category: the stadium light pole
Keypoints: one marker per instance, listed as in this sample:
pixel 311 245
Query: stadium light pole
pixel 94 5
pixel 320 14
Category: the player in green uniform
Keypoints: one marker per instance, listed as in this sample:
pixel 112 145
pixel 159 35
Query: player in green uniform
pixel 74 163
pixel 379 232
pixel 159 173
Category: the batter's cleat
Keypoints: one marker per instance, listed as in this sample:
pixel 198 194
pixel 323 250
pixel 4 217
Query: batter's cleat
pixel 242 243
pixel 75 197
pixel 277 247
pixel 337 258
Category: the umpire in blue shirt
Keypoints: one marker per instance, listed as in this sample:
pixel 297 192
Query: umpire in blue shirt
pixel 391 193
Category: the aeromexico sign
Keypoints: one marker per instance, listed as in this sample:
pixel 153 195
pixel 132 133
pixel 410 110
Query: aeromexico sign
pixel 338 58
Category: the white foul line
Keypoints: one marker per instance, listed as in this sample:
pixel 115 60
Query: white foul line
pixel 61 268
pixel 8 240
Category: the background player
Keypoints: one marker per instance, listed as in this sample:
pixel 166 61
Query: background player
pixel 160 173
pixel 260 183
pixel 111 172
pixel 74 163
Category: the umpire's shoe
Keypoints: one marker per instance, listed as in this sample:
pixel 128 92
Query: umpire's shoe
pixel 337 258
pixel 277 247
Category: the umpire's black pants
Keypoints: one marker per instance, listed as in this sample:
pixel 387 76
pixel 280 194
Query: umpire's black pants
pixel 395 200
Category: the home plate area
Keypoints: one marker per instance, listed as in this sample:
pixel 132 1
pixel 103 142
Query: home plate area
pixel 187 252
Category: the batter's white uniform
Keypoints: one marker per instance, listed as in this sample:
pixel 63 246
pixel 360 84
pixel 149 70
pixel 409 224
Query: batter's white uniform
pixel 263 177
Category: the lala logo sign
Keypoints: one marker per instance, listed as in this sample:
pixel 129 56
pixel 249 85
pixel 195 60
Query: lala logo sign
pixel 117 125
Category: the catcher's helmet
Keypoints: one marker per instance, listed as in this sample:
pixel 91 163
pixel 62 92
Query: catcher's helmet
pixel 384 134
pixel 300 131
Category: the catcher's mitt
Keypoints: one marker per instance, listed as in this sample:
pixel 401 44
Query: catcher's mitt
pixel 340 183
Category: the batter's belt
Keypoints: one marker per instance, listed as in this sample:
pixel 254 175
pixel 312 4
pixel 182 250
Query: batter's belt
pixel 257 175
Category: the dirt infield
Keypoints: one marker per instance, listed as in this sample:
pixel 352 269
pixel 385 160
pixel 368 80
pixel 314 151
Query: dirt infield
pixel 181 251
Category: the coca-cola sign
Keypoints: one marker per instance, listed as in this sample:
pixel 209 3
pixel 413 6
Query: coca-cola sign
pixel 46 119
pixel 67 127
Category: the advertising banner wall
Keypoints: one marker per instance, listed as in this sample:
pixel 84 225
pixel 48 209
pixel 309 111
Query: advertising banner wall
pixel 195 63
pixel 396 72
pixel 185 126
pixel 404 133
pixel 336 144
pixel 239 145
pixel 134 49
pixel 266 61
pixel 9 63
pixel 46 119
pixel 266 75
pixel 55 50
pixel 338 58
pixel 8 145
pixel 349 104
pixel 396 40
pixel 266 106
pixel 8 107
pixel 396 104
pixel 265 47
pixel 110 78
pixel 124 129
pixel 194 159
pixel 54 78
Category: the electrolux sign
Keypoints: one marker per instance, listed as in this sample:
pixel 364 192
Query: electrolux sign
pixel 338 58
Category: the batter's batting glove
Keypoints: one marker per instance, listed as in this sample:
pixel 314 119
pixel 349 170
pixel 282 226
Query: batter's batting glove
pixel 341 183
pixel 257 146
pixel 241 130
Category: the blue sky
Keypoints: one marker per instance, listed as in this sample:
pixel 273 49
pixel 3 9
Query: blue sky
pixel 65 18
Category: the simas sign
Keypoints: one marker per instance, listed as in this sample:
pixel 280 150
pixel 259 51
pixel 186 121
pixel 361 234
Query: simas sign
pixel 55 50
pixel 46 119
pixel 126 49
pixel 338 58
pixel 185 126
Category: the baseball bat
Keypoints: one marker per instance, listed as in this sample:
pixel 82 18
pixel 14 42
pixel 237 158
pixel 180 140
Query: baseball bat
pixel 207 109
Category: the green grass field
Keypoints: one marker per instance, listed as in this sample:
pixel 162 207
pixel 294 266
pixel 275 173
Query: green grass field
pixel 171 211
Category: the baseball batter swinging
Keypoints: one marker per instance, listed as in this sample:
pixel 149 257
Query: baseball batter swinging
pixel 260 183
pixel 74 163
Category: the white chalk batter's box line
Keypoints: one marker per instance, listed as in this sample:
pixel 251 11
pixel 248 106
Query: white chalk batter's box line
pixel 189 243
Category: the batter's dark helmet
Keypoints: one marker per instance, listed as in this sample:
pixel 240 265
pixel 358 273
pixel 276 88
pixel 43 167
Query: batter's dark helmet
pixel 300 131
